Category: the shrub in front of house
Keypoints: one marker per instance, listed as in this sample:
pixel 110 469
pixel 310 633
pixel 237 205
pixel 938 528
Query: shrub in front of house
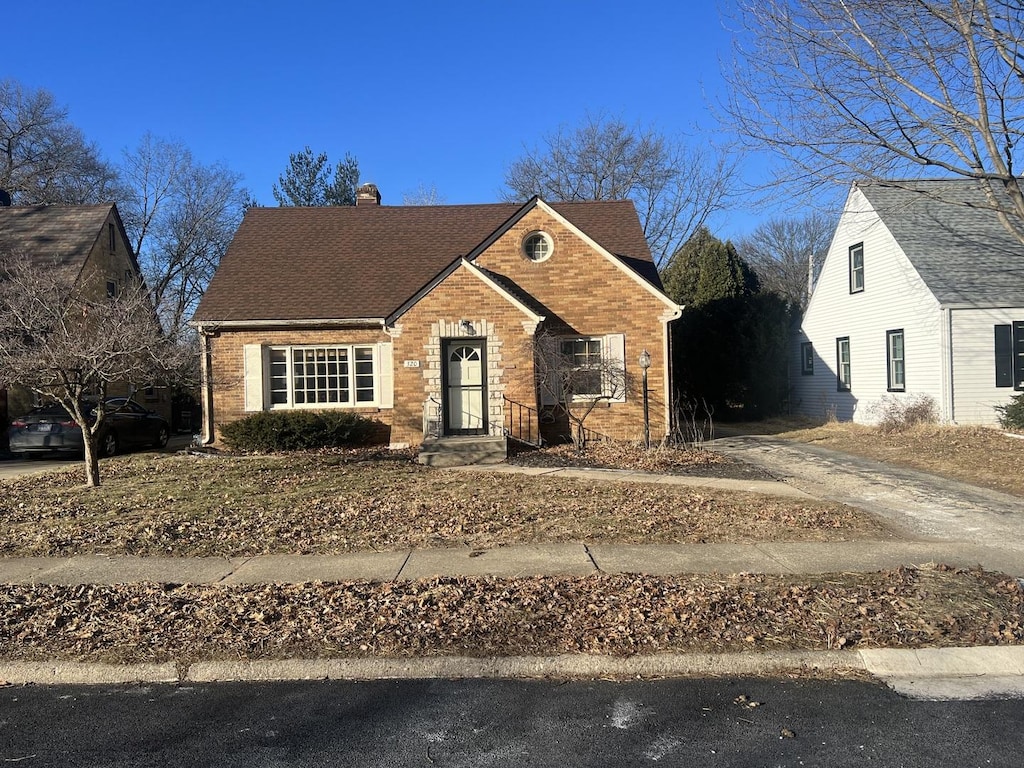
pixel 271 431
pixel 1011 415
pixel 895 414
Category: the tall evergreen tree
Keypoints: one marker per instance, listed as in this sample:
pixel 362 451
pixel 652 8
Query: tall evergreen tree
pixel 309 180
pixel 705 269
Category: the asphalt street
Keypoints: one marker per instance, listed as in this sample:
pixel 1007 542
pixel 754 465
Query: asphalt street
pixel 694 723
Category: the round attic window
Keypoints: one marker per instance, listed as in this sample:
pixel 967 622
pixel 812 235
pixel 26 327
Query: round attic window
pixel 537 246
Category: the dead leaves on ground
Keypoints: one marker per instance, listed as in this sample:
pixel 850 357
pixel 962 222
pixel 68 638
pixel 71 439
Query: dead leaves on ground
pixel 317 504
pixel 601 614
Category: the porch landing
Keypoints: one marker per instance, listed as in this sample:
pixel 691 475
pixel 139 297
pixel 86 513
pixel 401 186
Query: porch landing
pixel 459 451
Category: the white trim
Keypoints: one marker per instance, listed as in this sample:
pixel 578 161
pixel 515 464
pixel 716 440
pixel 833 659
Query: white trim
pixel 382 385
pixel 474 269
pixel 609 256
pixel 213 325
pixel 532 316
pixel 548 241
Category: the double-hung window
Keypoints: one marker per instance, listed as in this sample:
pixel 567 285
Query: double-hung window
pixel 807 358
pixel 1009 354
pixel 857 268
pixel 583 368
pixel 895 361
pixel 843 370
pixel 322 376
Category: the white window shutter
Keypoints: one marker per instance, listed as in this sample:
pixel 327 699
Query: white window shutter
pixel 385 374
pixel 252 356
pixel 614 345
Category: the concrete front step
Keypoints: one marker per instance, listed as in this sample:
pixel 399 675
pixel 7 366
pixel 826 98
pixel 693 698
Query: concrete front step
pixel 459 451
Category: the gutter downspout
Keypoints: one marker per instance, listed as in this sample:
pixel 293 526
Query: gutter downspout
pixel 669 367
pixel 206 385
pixel 947 365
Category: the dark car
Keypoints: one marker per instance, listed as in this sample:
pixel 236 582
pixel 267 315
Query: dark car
pixel 50 428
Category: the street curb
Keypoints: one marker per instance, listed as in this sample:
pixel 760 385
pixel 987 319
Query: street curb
pixel 569 666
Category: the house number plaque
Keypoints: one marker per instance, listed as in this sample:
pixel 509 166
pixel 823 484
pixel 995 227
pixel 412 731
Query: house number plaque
pixel 411 363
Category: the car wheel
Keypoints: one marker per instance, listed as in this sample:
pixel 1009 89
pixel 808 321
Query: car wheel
pixel 108 446
pixel 162 436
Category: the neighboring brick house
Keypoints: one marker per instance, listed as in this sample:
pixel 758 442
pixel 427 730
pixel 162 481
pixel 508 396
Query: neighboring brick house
pixel 426 317
pixel 84 242
pixel 921 295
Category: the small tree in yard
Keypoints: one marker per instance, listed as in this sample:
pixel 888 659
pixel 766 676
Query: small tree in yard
pixel 573 376
pixel 65 343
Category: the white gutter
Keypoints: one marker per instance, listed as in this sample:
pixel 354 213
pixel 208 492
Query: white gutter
pixel 318 322
pixel 667 318
pixel 206 386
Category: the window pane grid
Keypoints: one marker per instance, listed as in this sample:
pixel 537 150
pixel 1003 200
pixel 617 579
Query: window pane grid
pixel 897 368
pixel 304 376
pixel 584 357
pixel 843 363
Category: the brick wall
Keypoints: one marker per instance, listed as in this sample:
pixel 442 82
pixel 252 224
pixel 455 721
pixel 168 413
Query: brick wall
pixel 438 316
pixel 587 295
pixel 228 364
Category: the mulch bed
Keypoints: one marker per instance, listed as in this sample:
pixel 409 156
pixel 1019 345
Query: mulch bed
pixel 673 460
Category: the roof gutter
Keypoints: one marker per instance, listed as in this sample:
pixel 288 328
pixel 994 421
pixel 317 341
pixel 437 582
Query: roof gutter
pixel 210 325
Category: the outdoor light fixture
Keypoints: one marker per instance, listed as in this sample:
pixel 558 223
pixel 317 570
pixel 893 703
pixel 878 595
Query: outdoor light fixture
pixel 645 363
pixel 467 328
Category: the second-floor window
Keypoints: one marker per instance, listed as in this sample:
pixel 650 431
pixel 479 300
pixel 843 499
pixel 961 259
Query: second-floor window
pixel 857 268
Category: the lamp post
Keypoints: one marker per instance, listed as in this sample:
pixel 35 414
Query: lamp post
pixel 645 363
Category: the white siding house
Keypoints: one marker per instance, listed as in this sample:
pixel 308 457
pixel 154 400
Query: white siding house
pixel 921 294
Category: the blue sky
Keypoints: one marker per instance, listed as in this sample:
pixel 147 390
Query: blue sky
pixel 442 94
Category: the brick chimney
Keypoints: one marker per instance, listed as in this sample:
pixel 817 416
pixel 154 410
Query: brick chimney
pixel 368 194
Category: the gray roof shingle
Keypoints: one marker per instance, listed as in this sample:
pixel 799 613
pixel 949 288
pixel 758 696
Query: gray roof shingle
pixel 61 236
pixel 365 261
pixel 954 239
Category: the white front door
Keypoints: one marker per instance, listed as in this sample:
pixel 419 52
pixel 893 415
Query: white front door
pixel 466 389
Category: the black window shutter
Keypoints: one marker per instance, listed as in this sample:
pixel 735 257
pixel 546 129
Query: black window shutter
pixel 1004 356
pixel 1018 354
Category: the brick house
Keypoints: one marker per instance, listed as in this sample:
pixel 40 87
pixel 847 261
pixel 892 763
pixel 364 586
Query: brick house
pixel 84 242
pixel 428 318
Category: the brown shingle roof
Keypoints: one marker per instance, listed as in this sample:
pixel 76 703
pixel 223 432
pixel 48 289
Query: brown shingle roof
pixel 364 262
pixel 53 235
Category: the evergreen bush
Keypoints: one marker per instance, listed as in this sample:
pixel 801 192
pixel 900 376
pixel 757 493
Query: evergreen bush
pixel 271 431
pixel 1011 415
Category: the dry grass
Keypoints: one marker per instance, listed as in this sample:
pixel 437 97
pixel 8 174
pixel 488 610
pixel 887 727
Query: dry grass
pixel 978 455
pixel 187 505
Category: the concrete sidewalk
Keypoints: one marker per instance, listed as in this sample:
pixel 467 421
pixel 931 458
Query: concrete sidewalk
pixel 927 673
pixel 508 562
pixel 933 674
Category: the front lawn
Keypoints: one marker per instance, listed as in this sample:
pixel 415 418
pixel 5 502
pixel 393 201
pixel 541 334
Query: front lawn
pixel 188 505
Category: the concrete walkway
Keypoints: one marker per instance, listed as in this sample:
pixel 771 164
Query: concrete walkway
pixel 509 562
pixel 929 673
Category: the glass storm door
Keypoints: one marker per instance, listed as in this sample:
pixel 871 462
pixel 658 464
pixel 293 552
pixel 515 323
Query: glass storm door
pixel 465 388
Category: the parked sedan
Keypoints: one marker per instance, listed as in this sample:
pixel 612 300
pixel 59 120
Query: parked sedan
pixel 50 428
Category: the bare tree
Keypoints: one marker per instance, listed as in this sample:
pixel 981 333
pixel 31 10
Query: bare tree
pixel 862 89
pixel 70 346
pixel 43 157
pixel 675 188
pixel 781 252
pixel 423 195
pixel 572 381
pixel 180 216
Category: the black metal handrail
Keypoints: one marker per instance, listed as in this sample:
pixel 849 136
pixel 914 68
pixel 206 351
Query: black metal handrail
pixel 521 422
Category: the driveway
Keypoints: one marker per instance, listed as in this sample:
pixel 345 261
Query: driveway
pixel 10 467
pixel 923 505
